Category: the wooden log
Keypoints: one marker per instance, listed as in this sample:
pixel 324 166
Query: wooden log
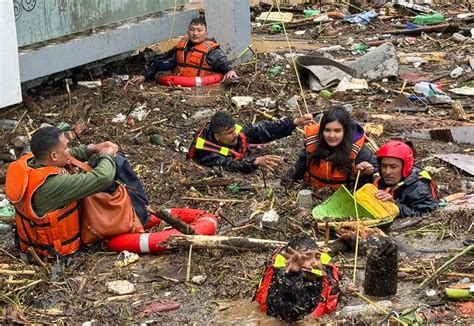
pixel 381 269
pixel 223 242
pixel 427 29
pixel 174 222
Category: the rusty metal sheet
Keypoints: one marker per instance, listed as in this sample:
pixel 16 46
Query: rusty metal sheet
pixel 462 161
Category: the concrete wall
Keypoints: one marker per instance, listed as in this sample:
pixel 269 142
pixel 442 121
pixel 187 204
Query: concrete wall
pixel 10 90
pixel 229 22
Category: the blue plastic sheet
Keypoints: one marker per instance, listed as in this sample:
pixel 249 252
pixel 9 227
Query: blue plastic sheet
pixel 362 18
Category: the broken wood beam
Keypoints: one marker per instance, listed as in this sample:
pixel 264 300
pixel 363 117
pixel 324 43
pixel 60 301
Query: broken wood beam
pixel 174 222
pixel 427 29
pixel 223 242
pixel 214 182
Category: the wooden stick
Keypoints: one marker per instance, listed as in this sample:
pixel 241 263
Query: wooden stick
pixel 409 270
pixel 440 270
pixel 148 125
pixel 214 182
pixel 22 272
pixel 21 118
pixel 174 222
pixel 188 268
pixel 223 242
pixel 418 31
pixel 224 200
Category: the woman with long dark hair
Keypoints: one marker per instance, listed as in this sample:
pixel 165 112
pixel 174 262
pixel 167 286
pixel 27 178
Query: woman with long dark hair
pixel 334 152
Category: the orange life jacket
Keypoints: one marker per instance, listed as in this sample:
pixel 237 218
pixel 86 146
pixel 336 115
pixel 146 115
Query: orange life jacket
pixel 55 233
pixel 191 62
pixel 322 175
pixel 329 298
pixel 200 143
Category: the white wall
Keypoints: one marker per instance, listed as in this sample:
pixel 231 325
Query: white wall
pixel 10 89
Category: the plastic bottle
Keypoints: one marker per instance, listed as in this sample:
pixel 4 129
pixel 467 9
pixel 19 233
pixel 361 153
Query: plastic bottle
pixel 427 89
pixel 428 19
pixel 311 12
pixel 325 94
pixel 275 71
pixel 275 28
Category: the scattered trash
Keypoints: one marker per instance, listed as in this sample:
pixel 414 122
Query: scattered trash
pixel 332 48
pixel 402 103
pixel 302 32
pixel 305 199
pixel 458 37
pixel 275 28
pixel 119 118
pixel 275 71
pixel 460 291
pixel 139 113
pixel 325 94
pixel 198 279
pixel 120 287
pixel 457 111
pixel 456 72
pixel 411 5
pixel 465 90
pixel 293 102
pixel 461 161
pixel 431 293
pixel 270 219
pixel 361 48
pixel 20 141
pixel 6 208
pixel 202 115
pixel 373 129
pixel 158 307
pixel 157 139
pixel 428 19
pixel 364 309
pixel 362 18
pixel 5 227
pixel 415 61
pixel 285 17
pixel 266 102
pixel 311 12
pixel 241 101
pixel 461 135
pixel 352 84
pixel 125 258
pixel 8 124
pixel 428 89
pixel 90 84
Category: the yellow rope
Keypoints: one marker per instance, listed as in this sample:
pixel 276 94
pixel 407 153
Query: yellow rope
pixel 357 231
pixel 294 61
pixel 382 309
pixel 174 19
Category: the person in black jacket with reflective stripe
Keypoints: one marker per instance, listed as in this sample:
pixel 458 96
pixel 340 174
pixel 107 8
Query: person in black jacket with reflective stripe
pixel 223 143
pixel 412 189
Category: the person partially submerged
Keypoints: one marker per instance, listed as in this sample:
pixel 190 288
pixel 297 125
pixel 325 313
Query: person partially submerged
pixel 195 55
pixel 299 281
pixel 399 180
pixel 224 143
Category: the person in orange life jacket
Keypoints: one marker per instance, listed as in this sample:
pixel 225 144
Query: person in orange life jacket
pixel 412 189
pixel 210 58
pixel 45 194
pixel 299 281
pixel 223 143
pixel 334 152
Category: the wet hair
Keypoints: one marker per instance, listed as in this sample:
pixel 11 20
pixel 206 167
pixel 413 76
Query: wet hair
pixel 219 121
pixel 302 243
pixel 44 140
pixel 198 21
pixel 340 156
pixel 294 302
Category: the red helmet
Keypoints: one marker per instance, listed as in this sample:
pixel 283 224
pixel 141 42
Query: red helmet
pixel 398 149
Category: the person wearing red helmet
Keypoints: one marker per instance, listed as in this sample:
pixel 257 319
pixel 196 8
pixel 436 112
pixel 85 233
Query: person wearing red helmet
pixel 399 180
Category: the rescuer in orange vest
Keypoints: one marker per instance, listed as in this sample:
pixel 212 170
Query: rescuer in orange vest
pixel 195 55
